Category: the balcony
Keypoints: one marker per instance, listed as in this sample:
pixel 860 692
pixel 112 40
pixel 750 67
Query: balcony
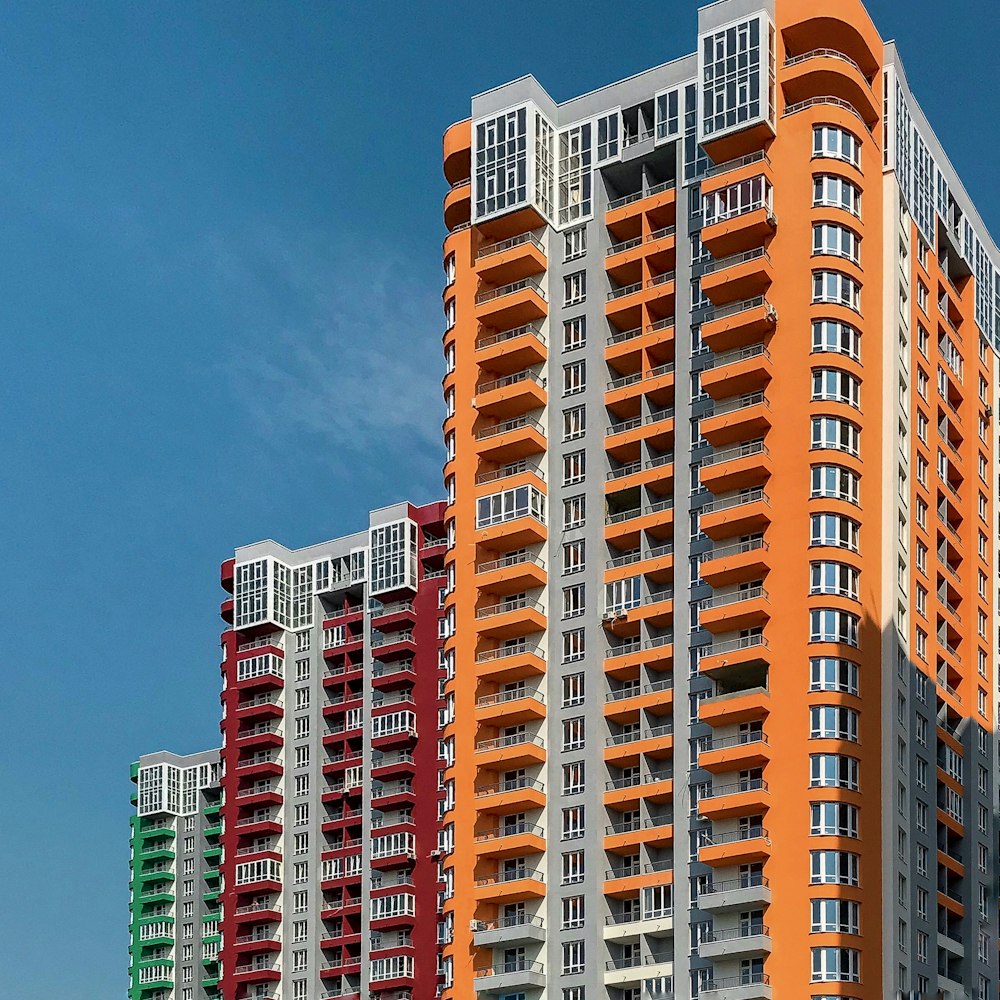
pixel 458 204
pixel 624 393
pixel 824 72
pixel 738 276
pixel 518 928
pixel 511 752
pixel 512 662
pixel 735 753
pixel 738 467
pixel 626 346
pixel 747 940
pixel 512 573
pixel 656 788
pixel 630 207
pixel 636 697
pixel 512 350
pixel 746 797
pixel 510 840
pixel 737 418
pixel 516 975
pixel 510 886
pixel 746 893
pixel 632 926
pixel 506 261
pixel 739 324
pixel 624 529
pixel 512 795
pixel 729 658
pixel 749 986
pixel 737 372
pixel 511 618
pixel 746 513
pixel 511 395
pixel 741 609
pixel 626 749
pixel 729 233
pixel 735 562
pixel 637 969
pixel 510 708
pixel 511 440
pixel 514 304
pixel 747 846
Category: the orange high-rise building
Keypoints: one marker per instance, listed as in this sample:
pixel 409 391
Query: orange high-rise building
pixel 722 482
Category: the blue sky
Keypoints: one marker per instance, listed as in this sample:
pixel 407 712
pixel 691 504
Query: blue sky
pixel 219 306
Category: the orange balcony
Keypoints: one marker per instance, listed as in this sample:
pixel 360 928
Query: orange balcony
pixel 624 214
pixel 624 437
pixel 736 562
pixel 623 258
pixel 627 793
pixel 624 303
pixel 458 204
pixel 747 513
pixel 508 536
pixel 630 833
pixel 735 753
pixel 510 708
pixel 623 660
pixel 738 418
pixel 625 347
pixel 625 392
pixel 747 797
pixel 508 351
pixel 657 473
pixel 744 370
pixel 624 529
pixel 510 840
pixel 741 609
pixel 627 749
pixel 739 324
pixel 827 72
pixel 624 704
pixel 739 467
pixel 511 574
pixel 735 232
pixel 511 260
pixel 511 440
pixel 656 564
pixel 515 886
pixel 511 305
pixel 511 395
pixel 507 619
pixel 512 662
pixel 727 657
pixel 510 795
pixel 740 276
pixel 751 845
pixel 511 752
pixel 457 151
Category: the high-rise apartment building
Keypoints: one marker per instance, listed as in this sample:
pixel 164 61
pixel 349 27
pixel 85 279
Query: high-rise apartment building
pixel 332 678
pixel 174 929
pixel 722 484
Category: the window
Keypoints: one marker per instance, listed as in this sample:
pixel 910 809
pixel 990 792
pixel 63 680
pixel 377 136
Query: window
pixel 574 734
pixel 836 241
pixel 833 770
pixel 572 867
pixel 833 625
pixel 833 337
pixel 574 601
pixel 574 556
pixel 837 144
pixel 834 868
pixel 574 378
pixel 835 916
pixel 830 191
pixel 833 722
pixel 572 957
pixel 833 819
pixel 573 912
pixel 501 162
pixel 509 505
pixel 834 530
pixel 830 673
pixel 838 288
pixel 574 333
pixel 835 434
pixel 573 690
pixel 574 288
pixel 574 423
pixel 833 578
pixel 573 646
pixel 836 385
pixel 573 825
pixel 737 199
pixel 574 243
pixel 836 482
pixel 574 512
pixel 622 596
pixel 574 467
pixel 573 778
pixel 836 965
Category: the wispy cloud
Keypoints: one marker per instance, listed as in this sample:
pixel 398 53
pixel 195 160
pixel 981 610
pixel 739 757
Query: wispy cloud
pixel 341 351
